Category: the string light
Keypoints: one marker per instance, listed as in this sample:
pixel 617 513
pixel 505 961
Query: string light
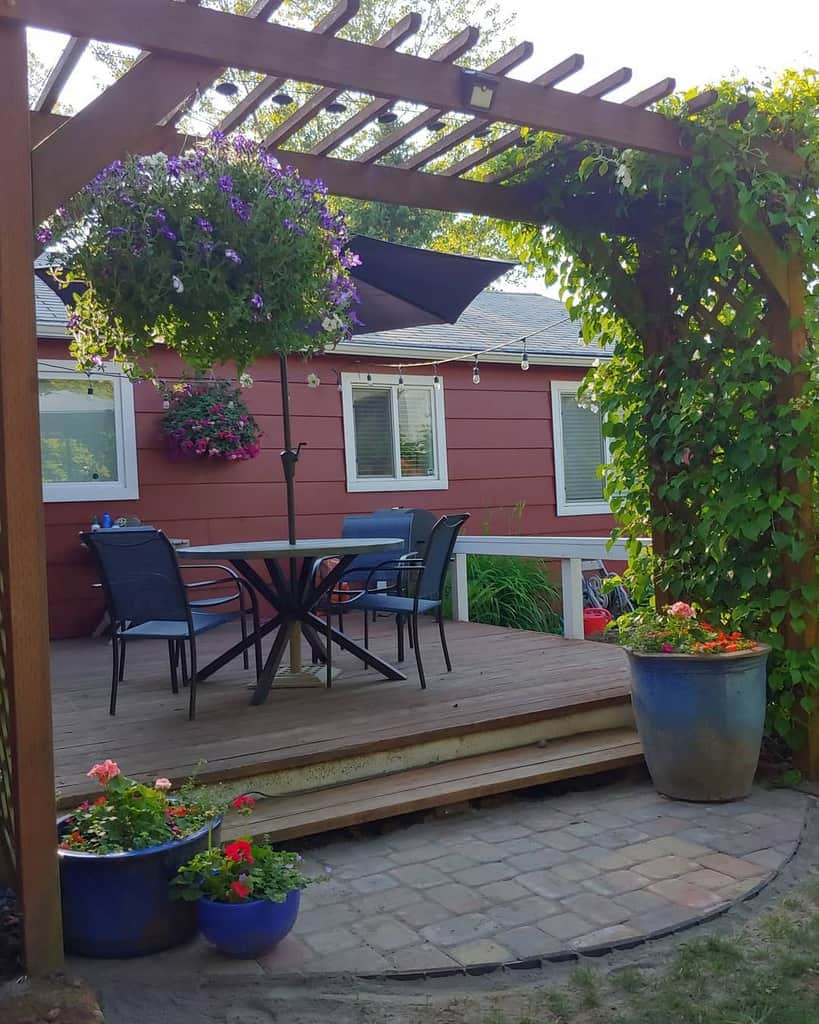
pixel 90 390
pixel 400 378
pixel 524 362
pixel 436 380
pixel 476 372
pixel 369 378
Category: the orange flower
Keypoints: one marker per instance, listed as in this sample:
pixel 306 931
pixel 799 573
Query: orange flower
pixel 76 837
pixel 178 812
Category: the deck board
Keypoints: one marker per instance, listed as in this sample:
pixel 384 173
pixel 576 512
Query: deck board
pixel 501 677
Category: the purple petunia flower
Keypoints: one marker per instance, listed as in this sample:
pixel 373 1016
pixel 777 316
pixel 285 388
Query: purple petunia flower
pixel 292 226
pixel 270 163
pixel 217 138
pixel 240 208
pixel 116 232
pixel 173 166
pixel 73 322
pixel 256 301
pixel 226 183
pixel 241 144
pixel 204 225
pixel 233 256
pixel 167 233
pixel 43 235
pixel 350 260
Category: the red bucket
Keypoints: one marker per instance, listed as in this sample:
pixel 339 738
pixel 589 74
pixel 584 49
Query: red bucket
pixel 595 620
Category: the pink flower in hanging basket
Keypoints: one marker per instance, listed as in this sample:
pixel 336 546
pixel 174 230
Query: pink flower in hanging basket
pixel 683 610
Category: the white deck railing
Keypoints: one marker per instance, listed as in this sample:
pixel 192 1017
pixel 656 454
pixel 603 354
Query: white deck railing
pixel 570 551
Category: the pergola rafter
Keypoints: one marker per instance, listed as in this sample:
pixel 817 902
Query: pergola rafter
pixel 186 47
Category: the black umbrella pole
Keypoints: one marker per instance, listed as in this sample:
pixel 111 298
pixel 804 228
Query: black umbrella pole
pixel 289 456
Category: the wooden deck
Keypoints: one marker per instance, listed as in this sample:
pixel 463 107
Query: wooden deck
pixel 502 680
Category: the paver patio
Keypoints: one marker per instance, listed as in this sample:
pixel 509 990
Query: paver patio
pixel 529 877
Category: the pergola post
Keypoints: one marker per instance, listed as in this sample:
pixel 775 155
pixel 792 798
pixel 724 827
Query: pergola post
pixel 28 778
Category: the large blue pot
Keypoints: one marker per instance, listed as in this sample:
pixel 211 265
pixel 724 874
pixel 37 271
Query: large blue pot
pixel 119 904
pixel 700 720
pixel 247 930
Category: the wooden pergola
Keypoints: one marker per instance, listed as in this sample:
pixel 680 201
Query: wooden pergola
pixel 45 158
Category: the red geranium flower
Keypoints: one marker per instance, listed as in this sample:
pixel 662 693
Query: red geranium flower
pixel 242 802
pixel 178 812
pixel 239 851
pixel 240 889
pixel 100 801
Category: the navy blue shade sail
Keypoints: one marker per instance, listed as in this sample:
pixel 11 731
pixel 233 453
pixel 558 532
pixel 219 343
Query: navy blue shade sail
pixel 399 286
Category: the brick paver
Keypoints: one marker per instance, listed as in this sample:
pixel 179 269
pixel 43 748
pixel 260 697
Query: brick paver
pixel 523 878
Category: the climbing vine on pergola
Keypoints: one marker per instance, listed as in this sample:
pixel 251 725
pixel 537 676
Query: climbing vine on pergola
pixel 704 276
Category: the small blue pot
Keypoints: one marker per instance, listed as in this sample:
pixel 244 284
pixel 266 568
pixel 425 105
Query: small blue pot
pixel 700 720
pixel 246 930
pixel 119 904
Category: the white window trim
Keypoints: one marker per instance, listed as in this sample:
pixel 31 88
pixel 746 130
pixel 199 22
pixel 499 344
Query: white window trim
pixel 564 507
pixel 126 487
pixel 376 484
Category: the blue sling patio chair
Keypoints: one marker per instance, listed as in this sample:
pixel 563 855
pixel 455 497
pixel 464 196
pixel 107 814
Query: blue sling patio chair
pixel 423 581
pixel 147 599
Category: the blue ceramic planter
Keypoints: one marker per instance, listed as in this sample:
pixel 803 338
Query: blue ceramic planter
pixel 247 930
pixel 700 720
pixel 119 904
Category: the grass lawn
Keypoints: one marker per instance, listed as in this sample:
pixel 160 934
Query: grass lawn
pixel 765 973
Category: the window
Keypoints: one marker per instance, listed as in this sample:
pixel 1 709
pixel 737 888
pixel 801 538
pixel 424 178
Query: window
pixel 394 434
pixel 87 441
pixel 579 448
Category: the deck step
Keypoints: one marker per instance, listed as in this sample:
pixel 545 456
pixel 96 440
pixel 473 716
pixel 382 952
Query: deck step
pixel 437 785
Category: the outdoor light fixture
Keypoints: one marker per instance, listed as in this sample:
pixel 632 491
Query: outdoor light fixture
pixel 336 107
pixel 387 117
pixel 227 89
pixel 478 89
pixel 281 99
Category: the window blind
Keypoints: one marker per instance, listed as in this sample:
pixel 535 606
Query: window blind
pixel 583 450
pixel 372 416
pixel 415 432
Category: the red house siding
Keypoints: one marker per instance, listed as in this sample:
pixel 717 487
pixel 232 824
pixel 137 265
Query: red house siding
pixel 500 457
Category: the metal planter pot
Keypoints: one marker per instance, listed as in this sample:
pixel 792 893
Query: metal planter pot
pixel 700 720
pixel 119 904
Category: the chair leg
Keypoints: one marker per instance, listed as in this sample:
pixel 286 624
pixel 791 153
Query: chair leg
pixel 121 660
pixel 366 633
pixel 329 656
pixel 399 626
pixel 418 662
pixel 173 657
pixel 243 626
pixel 112 710
pixel 443 642
pixel 192 683
pixel 184 657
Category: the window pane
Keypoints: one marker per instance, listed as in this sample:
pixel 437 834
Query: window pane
pixel 78 439
pixel 372 415
pixel 583 450
pixel 415 432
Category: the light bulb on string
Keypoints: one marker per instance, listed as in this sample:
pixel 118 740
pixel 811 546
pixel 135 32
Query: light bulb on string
pixel 369 378
pixel 400 379
pixel 90 390
pixel 524 361
pixel 436 380
pixel 476 372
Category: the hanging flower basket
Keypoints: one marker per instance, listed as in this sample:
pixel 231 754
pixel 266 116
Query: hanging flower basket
pixel 209 419
pixel 219 254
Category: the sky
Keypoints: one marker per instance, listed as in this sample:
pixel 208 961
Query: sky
pixel 697 42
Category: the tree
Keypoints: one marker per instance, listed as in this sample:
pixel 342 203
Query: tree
pixel 441 20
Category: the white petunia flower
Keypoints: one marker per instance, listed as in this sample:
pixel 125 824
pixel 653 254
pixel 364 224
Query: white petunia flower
pixel 177 284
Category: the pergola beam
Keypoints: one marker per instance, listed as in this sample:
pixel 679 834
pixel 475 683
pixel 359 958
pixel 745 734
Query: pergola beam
pixel 502 66
pixel 392 38
pixel 60 73
pixel 227 40
pixel 558 73
pixel 343 12
pixel 451 50
pixel 348 178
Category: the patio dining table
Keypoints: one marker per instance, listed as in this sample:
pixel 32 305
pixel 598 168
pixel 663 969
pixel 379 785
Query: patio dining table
pixel 294 593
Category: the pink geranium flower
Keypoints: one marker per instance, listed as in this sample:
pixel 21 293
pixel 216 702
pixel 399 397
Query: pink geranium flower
pixel 104 772
pixel 685 611
pixel 162 784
